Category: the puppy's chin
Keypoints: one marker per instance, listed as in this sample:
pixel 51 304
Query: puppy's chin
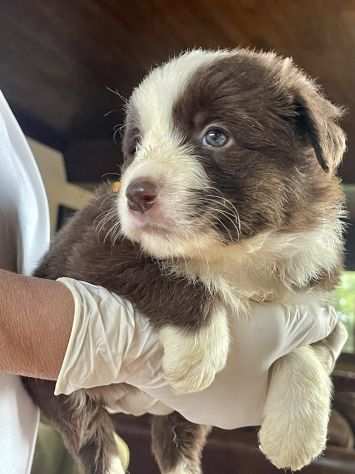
pixel 164 243
pixel 174 246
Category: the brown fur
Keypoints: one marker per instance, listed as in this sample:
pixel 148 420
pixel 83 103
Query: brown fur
pixel 276 161
pixel 175 440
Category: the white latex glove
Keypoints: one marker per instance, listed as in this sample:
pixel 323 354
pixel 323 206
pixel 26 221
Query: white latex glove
pixel 112 343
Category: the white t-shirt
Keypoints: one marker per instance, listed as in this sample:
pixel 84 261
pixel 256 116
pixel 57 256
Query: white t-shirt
pixel 24 237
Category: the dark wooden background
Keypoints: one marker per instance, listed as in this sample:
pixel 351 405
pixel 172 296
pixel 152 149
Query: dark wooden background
pixel 57 58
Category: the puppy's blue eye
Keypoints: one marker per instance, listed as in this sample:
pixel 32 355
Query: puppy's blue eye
pixel 215 137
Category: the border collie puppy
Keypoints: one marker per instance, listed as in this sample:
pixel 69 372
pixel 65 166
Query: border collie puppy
pixel 228 195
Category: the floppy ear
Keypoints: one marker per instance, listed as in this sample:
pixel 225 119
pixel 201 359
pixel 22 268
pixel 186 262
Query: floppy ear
pixel 317 119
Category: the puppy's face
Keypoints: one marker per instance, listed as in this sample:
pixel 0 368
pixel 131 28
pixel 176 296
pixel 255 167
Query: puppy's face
pixel 222 146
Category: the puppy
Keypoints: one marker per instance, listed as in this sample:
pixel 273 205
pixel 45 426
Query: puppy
pixel 228 195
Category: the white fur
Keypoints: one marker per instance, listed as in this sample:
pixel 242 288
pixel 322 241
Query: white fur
pixel 294 429
pixel 266 267
pixel 116 466
pixel 192 360
pixel 185 468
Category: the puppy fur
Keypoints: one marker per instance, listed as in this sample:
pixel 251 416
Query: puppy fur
pixel 259 218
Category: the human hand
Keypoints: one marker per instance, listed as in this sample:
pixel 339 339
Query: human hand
pixel 111 343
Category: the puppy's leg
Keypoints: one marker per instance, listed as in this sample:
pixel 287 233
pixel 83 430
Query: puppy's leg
pixel 193 356
pixel 98 451
pixel 86 427
pixel 297 409
pixel 177 444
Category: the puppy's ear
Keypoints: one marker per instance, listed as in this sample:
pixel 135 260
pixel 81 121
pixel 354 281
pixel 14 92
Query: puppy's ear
pixel 317 118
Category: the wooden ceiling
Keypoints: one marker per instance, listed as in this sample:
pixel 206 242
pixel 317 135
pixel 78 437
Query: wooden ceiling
pixel 57 58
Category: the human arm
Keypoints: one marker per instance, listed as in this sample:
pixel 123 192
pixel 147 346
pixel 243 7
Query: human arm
pixel 103 341
pixel 36 317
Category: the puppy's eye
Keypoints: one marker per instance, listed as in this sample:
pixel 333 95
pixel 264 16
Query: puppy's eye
pixel 215 137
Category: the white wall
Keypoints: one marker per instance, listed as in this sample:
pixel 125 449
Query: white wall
pixel 59 191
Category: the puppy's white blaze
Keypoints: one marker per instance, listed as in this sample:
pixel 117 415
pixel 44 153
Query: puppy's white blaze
pixel 162 157
pixel 155 97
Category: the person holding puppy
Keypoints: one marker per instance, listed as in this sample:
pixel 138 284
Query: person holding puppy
pixel 64 330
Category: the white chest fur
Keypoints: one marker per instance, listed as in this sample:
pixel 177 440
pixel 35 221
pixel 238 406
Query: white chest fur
pixel 270 267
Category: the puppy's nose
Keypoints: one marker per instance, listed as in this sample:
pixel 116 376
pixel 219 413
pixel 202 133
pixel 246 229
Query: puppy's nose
pixel 141 195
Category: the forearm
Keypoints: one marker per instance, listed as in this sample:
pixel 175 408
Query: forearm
pixel 36 318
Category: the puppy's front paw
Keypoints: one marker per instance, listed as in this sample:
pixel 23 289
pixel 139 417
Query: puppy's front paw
pixel 188 363
pixel 293 442
pixel 294 429
pixel 192 360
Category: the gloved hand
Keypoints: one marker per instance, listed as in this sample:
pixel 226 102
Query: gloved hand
pixel 111 343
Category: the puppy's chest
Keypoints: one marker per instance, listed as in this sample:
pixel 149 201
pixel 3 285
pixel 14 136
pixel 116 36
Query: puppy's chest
pixel 238 293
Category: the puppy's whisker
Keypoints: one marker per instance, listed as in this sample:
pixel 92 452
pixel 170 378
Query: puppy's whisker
pixel 119 126
pixel 110 232
pixel 226 203
pixel 110 112
pixel 215 217
pixel 232 217
pixel 118 94
pixel 104 220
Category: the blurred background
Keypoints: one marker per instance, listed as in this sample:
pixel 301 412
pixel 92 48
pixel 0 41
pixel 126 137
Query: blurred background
pixel 66 68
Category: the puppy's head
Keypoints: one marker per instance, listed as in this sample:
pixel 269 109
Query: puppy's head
pixel 221 146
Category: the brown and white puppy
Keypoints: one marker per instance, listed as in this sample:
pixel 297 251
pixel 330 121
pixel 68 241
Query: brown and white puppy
pixel 228 195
